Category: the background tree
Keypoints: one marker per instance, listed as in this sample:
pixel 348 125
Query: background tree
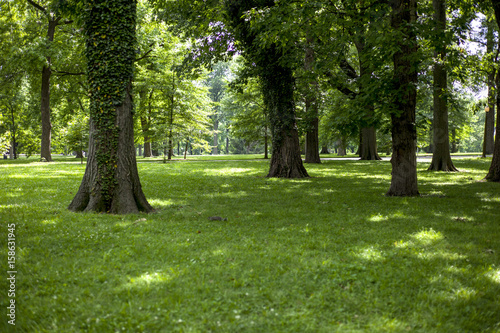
pixel 441 158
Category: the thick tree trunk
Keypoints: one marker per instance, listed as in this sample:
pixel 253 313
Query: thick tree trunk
pixel 404 133
pixel 324 150
pixel 312 142
pixel 369 144
pixel 368 132
pixel 278 89
pixel 111 180
pixel 311 102
pixel 441 158
pixel 494 171
pixel 127 196
pixel 79 153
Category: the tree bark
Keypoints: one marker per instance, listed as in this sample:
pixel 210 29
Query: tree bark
pixel 494 171
pixel 368 133
pixel 278 89
pixel 311 103
pixel 111 180
pixel 404 134
pixel 45 98
pixel 369 144
pixel 441 158
pixel 489 121
pixel 215 149
pixel 324 150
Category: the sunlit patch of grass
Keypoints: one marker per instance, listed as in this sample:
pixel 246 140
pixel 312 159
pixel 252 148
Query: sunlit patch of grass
pixel 327 254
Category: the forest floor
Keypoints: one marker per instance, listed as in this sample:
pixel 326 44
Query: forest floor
pixel 330 253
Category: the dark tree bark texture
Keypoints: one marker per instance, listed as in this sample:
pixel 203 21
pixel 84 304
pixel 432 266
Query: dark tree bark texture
pixel 278 86
pixel 494 171
pixel 277 83
pixel 489 122
pixel 311 103
pixel 404 133
pixel 441 158
pixel 111 181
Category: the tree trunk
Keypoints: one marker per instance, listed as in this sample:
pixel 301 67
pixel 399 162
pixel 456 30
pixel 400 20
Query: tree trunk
pixel 278 90
pixel 311 102
pixel 111 180
pixel 266 144
pixel 324 150
pixel 342 148
pixel 126 196
pixel 494 171
pixel 227 142
pixel 79 153
pixel 441 158
pixel 404 133
pixel 368 133
pixel 45 99
pixel 369 144
pixel 489 122
pixel 215 149
pixel 187 146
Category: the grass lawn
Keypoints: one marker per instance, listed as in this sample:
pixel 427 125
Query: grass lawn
pixel 325 254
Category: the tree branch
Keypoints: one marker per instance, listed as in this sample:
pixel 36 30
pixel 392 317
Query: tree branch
pixel 37 6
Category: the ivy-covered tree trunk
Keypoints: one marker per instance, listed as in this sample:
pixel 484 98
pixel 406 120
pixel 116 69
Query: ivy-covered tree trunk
pixel 441 158
pixel 404 132
pixel 111 181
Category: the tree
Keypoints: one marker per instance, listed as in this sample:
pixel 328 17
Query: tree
pixel 494 171
pixel 54 19
pixel 489 121
pixel 404 135
pixel 274 68
pixel 111 181
pixel 441 159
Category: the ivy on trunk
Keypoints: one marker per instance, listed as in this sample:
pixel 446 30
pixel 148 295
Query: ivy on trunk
pixel 111 182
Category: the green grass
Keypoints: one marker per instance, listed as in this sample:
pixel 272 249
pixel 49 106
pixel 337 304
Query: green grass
pixel 325 254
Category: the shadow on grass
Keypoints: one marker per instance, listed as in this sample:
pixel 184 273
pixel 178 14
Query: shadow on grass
pixel 325 254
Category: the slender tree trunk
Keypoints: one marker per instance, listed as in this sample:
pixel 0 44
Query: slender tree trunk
pixel 187 146
pixel 266 144
pixel 441 158
pixel 227 142
pixel 215 149
pixel 13 132
pixel 45 101
pixel 489 122
pixel 111 180
pixel 404 133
